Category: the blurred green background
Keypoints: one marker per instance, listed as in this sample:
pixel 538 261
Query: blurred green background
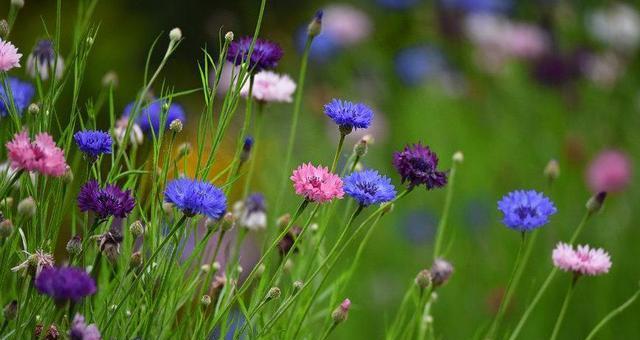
pixel 509 119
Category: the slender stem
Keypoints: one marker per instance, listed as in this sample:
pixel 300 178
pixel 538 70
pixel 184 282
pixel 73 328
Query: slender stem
pixel 423 322
pixel 563 309
pixel 612 315
pixel 437 249
pixel 328 331
pixel 338 152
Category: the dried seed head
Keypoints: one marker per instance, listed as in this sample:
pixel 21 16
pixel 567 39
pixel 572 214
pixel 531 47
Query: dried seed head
pixel 110 79
pixel 136 228
pixel 33 109
pixel 74 245
pixel 273 293
pixel 176 125
pixel 297 285
pixel 205 300
pixel 136 260
pixel 283 221
pixel 423 279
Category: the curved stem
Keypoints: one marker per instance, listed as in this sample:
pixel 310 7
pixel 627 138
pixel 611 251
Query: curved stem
pixel 445 213
pixel 563 309
pixel 612 315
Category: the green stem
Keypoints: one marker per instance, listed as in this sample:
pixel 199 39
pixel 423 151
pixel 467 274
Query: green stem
pixel 563 309
pixel 612 315
pixel 437 249
pixel 328 331
pixel 338 151
pixel 423 322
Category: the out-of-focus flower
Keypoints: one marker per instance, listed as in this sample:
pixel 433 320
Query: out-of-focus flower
pixel 316 184
pixel 477 6
pixel 617 25
pixel 609 171
pixel 9 56
pixel 150 115
pixel 368 187
pixel 398 4
pixel 43 59
pixel 526 210
pixel 271 87
pixel 93 143
pixel 603 69
pixel 583 260
pixel 441 270
pixel 416 64
pixel 81 331
pixel 65 283
pixel 265 55
pixel 252 212
pixel 349 115
pixel 136 137
pixel 42 155
pixel 417 165
pixel 554 69
pixel 194 197
pixel 105 202
pixel 21 92
pixel 285 245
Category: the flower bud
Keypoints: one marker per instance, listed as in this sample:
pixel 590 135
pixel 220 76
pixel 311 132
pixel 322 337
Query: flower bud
pixel 441 271
pixel 52 332
pixel 216 266
pixel 11 310
pixel 228 221
pixel 27 207
pixel 458 157
pixel 283 221
pixel 273 293
pixel 228 36
pixel 594 204
pixel 17 3
pixel 205 301
pixel 110 79
pixel 315 26
pixel 74 245
pixel 136 259
pixel 4 28
pixel 341 313
pixel 552 170
pixel 175 34
pixel 423 279
pixel 239 269
pixel 361 147
pixel 6 228
pixel 246 149
pixel 297 285
pixel 205 268
pixel 33 109
pixel 136 228
pixel 176 125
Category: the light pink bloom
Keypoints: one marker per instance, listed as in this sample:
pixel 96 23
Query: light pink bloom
pixel 346 24
pixel 42 155
pixel 583 260
pixel 9 56
pixel 610 171
pixel 271 87
pixel 316 184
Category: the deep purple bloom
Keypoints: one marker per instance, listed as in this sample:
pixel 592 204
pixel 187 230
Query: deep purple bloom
pixel 526 210
pixel 368 187
pixel 81 331
pixel 93 143
pixel 22 93
pixel 265 54
pixel 194 197
pixel 349 115
pixel 150 115
pixel 105 202
pixel 65 283
pixel 417 164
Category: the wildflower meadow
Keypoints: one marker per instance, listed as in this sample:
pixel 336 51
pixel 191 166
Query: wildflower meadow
pixel 367 169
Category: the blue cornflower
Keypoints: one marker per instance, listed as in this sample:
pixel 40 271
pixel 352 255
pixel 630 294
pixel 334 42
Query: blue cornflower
pixel 149 116
pixel 194 197
pixel 414 65
pixel 22 93
pixel 526 210
pixel 93 143
pixel 478 6
pixel 397 4
pixel 368 187
pixel 349 115
pixel 324 46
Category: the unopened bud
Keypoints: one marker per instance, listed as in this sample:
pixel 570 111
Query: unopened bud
pixel 176 125
pixel 314 227
pixel 110 79
pixel 51 334
pixel 594 204
pixel 216 266
pixel 184 150
pixel 297 285
pixel 239 269
pixel 441 271
pixel 283 221
pixel 165 106
pixel 11 310
pixel 361 147
pixel 423 279
pixel 175 34
pixel 228 221
pixel 458 157
pixel 4 28
pixel 229 36
pixel 33 109
pixel 341 313
pixel 358 167
pixel 6 228
pixel 74 245
pixel 273 293
pixel 246 149
pixel 27 207
pixel 205 268
pixel 315 26
pixel 17 3
pixel 205 300
pixel 136 259
pixel 136 228
pixel 552 170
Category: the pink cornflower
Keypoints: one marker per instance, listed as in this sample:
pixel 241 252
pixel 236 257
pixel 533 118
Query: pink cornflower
pixel 316 184
pixel 9 56
pixel 583 260
pixel 610 171
pixel 42 155
pixel 271 87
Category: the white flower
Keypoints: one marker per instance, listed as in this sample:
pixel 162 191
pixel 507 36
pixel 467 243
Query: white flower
pixel 617 26
pixel 271 87
pixel 136 136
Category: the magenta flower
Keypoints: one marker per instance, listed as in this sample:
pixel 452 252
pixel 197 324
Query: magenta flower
pixel 316 184
pixel 583 260
pixel 42 155
pixel 9 56
pixel 610 171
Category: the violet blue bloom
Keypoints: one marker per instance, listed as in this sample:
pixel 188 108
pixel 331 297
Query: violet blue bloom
pixel 526 210
pixel 195 197
pixel 150 115
pixel 368 187
pixel 93 143
pixel 65 283
pixel 22 92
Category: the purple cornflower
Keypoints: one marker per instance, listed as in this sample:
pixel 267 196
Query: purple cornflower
pixel 417 164
pixel 526 210
pixel 22 93
pixel 81 331
pixel 43 59
pixel 368 187
pixel 93 143
pixel 105 202
pixel 65 283
pixel 194 197
pixel 348 115
pixel 265 54
pixel 151 114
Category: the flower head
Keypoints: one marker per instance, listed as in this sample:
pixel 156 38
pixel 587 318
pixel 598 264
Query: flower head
pixel 610 171
pixel 151 114
pixel 21 92
pixel 271 87
pixel 349 115
pixel 9 56
pixel 43 59
pixel 417 164
pixel 105 202
pixel 81 331
pixel 65 283
pixel 136 137
pixel 93 143
pixel 316 184
pixel 41 155
pixel 35 262
pixel 526 210
pixel 252 212
pixel 368 187
pixel 194 197
pixel 441 271
pixel 265 54
pixel 583 260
